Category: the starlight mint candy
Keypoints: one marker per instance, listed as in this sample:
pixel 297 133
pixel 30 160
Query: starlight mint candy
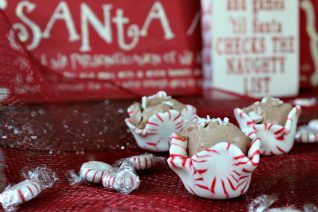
pixel 123 179
pixel 273 121
pixel 92 171
pixel 143 161
pixel 308 133
pixel 213 158
pixel 36 181
pixel 155 118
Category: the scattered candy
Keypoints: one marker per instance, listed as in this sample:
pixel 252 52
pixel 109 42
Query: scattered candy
pixel 313 124
pixel 36 181
pixel 92 171
pixel 308 133
pixel 125 180
pixel 307 102
pixel 263 202
pixel 141 162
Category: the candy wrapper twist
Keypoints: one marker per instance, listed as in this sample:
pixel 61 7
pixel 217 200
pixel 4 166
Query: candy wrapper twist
pixel 124 180
pixel 36 181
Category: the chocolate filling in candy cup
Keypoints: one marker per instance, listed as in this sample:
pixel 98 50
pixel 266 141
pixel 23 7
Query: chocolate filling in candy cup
pixel 153 134
pixel 276 139
pixel 219 172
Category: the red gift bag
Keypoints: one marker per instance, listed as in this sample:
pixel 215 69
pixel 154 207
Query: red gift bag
pixel 71 50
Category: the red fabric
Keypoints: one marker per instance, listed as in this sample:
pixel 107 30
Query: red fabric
pixel 293 177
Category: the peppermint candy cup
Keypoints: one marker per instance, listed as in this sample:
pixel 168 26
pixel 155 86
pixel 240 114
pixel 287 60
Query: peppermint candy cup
pixel 219 172
pixel 276 139
pixel 38 179
pixel 151 123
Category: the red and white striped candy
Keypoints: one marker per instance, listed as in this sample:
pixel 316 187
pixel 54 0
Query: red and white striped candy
pixel 125 180
pixel 275 139
pixel 144 161
pixel 20 193
pixel 94 171
pixel 308 133
pixel 219 172
pixel 108 181
pixel 124 185
pixel 305 136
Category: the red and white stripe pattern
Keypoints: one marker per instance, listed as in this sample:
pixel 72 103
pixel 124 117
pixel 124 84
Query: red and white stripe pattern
pixel 94 171
pixel 20 193
pixel 189 112
pixel 144 161
pixel 275 139
pixel 308 133
pixel 121 182
pixel 243 119
pixel 306 136
pixel 178 153
pixel 108 181
pixel 155 135
pixel 219 172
